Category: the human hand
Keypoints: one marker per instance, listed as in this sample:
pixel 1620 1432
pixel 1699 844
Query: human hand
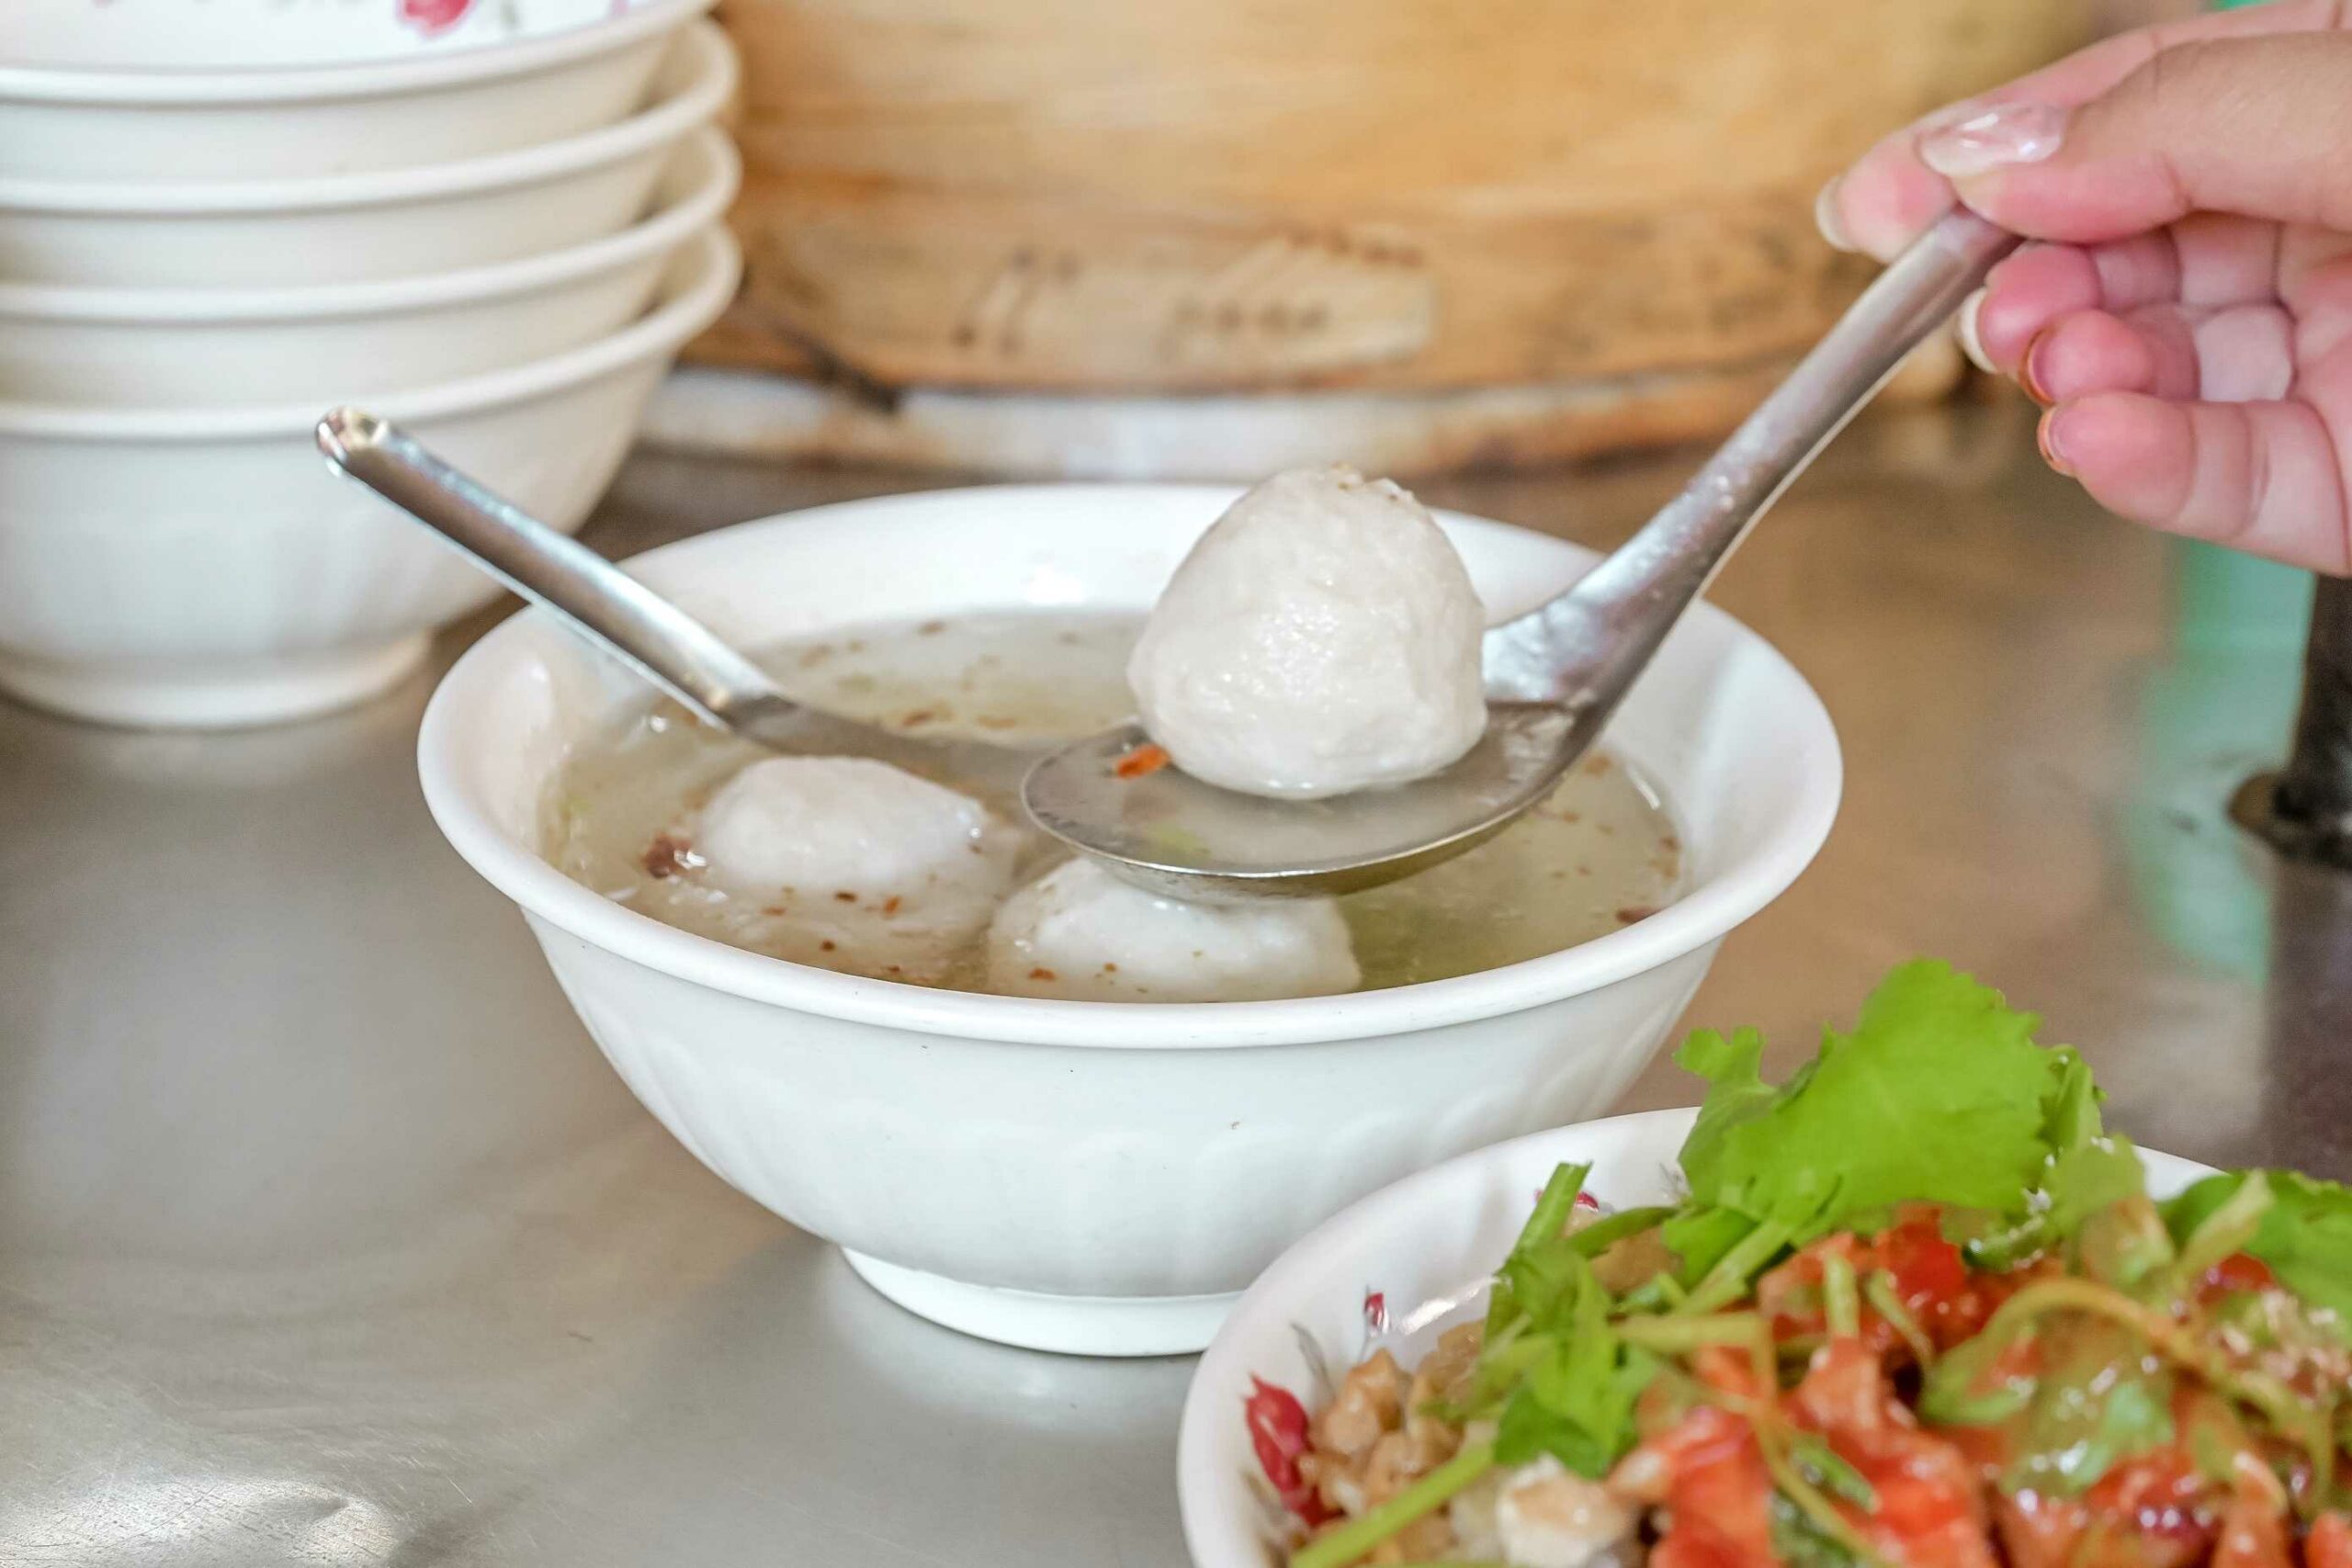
pixel 2186 316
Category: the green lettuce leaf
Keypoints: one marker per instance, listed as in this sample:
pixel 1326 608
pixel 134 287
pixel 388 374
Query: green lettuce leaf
pixel 1736 1094
pixel 2089 1167
pixel 2088 1170
pixel 2304 1237
pixel 1938 1094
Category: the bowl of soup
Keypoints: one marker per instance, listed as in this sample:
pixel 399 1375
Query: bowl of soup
pixel 1097 1177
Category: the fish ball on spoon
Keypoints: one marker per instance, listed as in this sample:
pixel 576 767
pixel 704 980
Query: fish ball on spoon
pixel 1322 637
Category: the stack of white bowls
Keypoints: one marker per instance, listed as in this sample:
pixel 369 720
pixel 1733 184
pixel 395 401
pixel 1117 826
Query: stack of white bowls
pixel 495 222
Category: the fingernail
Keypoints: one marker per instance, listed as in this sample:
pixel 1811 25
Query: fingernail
pixel 1970 343
pixel 1996 138
pixel 1826 217
pixel 2030 375
pixel 2046 436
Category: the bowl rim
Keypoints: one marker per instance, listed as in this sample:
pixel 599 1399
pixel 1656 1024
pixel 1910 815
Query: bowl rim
pixel 1701 916
pixel 680 310
pixel 712 73
pixel 1210 1537
pixel 714 168
pixel 350 79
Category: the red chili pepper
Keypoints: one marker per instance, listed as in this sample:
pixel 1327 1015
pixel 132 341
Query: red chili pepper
pixel 1278 1431
pixel 1930 1277
pixel 1586 1201
pixel 1376 1311
pixel 2330 1545
pixel 1145 759
pixel 2239 1272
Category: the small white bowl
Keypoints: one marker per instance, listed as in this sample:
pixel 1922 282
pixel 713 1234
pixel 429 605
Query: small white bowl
pixel 156 347
pixel 204 566
pixel 251 89
pixel 352 228
pixel 1092 1177
pixel 1426 1246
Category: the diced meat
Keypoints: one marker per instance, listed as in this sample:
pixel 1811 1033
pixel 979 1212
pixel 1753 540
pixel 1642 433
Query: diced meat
pixel 1709 1474
pixel 1364 1409
pixel 1548 1517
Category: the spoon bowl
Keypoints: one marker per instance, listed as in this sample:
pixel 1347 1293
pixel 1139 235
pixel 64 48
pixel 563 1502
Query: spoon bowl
pixel 1173 835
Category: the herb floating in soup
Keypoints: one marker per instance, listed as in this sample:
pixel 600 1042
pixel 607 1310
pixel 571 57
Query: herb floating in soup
pixel 1918 1308
pixel 814 861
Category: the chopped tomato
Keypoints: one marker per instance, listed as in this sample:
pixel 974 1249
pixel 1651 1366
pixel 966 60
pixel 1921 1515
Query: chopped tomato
pixel 1709 1474
pixel 1928 1513
pixel 2238 1272
pixel 1727 1370
pixel 1843 1390
pixel 2330 1543
pixel 2153 1511
pixel 1931 1280
pixel 2161 1494
pixel 2254 1533
pixel 1790 1294
pixel 1278 1430
pixel 1929 1274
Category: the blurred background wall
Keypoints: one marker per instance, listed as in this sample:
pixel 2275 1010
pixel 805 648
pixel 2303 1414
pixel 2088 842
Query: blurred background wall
pixel 1080 236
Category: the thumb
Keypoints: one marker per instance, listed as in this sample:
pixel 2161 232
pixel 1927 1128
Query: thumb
pixel 2258 127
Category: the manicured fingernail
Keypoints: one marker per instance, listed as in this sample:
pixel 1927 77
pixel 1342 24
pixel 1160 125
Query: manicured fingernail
pixel 1996 138
pixel 1970 343
pixel 1826 219
pixel 2031 374
pixel 2047 434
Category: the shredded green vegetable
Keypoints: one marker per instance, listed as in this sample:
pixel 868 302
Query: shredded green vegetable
pixel 1939 1096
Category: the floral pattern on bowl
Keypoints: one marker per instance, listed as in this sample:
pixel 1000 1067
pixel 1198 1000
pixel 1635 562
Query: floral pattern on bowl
pixel 182 35
pixel 1280 1420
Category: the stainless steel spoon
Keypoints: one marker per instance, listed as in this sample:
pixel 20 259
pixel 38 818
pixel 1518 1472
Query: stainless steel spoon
pixel 1553 675
pixel 636 626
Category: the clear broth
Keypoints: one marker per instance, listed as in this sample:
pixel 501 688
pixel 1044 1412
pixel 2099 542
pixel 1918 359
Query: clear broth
pixel 1601 852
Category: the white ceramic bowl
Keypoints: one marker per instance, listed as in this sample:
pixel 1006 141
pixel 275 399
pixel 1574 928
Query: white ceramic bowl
pixel 1095 1177
pixel 351 228
pixel 203 566
pixel 247 89
pixel 155 347
pixel 1426 1246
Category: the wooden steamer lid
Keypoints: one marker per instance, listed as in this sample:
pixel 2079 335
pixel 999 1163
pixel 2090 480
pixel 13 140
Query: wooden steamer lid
pixel 1414 233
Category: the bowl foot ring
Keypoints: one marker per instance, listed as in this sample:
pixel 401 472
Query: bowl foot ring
pixel 1073 1326
pixel 223 695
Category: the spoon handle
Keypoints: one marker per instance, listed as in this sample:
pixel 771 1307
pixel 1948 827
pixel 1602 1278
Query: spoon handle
pixel 668 646
pixel 1623 607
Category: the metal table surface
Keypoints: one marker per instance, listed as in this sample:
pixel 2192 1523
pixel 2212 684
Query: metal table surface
pixel 327 1238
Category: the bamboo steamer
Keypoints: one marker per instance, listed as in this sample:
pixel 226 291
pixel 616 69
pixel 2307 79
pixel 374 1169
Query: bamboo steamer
pixel 1607 204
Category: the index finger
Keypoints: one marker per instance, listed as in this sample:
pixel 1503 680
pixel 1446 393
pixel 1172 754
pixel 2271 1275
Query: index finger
pixel 1888 196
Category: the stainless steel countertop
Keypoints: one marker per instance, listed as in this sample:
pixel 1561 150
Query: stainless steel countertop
pixel 326 1237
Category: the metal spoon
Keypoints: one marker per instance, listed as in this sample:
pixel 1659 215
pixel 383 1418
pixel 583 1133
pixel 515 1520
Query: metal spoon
pixel 1553 675
pixel 629 620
